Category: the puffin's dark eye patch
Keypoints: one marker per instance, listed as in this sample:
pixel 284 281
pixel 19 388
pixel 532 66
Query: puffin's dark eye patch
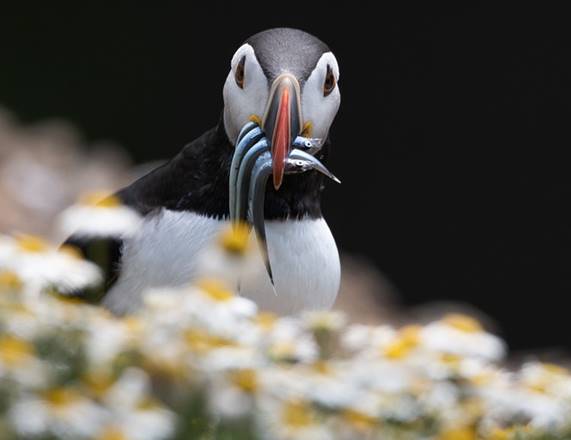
pixel 330 82
pixel 240 72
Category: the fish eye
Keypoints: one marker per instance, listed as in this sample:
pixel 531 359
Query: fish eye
pixel 329 83
pixel 240 73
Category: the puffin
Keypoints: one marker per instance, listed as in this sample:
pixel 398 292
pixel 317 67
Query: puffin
pixel 263 163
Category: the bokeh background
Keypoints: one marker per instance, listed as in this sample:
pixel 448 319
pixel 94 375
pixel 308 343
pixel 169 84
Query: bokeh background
pixel 451 140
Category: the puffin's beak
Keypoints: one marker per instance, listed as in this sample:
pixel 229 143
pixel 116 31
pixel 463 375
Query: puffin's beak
pixel 282 121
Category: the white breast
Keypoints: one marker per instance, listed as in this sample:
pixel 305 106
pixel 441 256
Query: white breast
pixel 167 248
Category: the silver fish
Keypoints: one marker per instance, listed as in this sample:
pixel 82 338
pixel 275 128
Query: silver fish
pixel 239 211
pixel 248 135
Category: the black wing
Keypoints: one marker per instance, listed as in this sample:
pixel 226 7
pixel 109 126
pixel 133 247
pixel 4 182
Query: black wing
pixel 105 252
pixel 196 180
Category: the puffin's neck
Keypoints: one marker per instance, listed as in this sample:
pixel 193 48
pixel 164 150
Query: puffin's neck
pixel 298 197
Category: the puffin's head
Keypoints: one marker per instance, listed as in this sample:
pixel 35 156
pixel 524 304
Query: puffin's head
pixel 286 80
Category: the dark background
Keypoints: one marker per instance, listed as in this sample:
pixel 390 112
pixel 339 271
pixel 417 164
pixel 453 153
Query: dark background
pixel 450 141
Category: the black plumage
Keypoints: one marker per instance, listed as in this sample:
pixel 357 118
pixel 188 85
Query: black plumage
pixel 196 180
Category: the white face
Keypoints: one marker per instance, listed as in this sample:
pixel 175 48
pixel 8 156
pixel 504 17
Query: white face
pixel 320 97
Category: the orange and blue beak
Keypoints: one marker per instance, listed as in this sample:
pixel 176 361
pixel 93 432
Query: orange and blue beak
pixel 282 122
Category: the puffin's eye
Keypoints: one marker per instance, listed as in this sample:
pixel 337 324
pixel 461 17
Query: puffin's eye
pixel 239 75
pixel 329 83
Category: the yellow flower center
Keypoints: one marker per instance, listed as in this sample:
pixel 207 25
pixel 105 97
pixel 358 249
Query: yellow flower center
pixel 458 434
pixel 201 341
pixel 32 244
pixel 296 415
pixel 282 350
pixel 60 398
pixel 481 379
pixel 245 379
pixel 9 282
pixel 266 320
pixel 539 386
pixel 411 334
pixel 112 433
pixel 100 199
pixel 501 434
pixel 235 239
pixel 359 420
pixel 322 367
pixel 397 349
pixel 407 339
pixel 98 383
pixel 14 351
pixel 452 360
pixel 215 290
pixel 463 323
pixel 133 324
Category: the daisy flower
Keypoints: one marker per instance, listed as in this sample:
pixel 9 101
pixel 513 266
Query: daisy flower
pixel 99 215
pixel 41 266
pixel 463 336
pixel 59 412
pixel 291 420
